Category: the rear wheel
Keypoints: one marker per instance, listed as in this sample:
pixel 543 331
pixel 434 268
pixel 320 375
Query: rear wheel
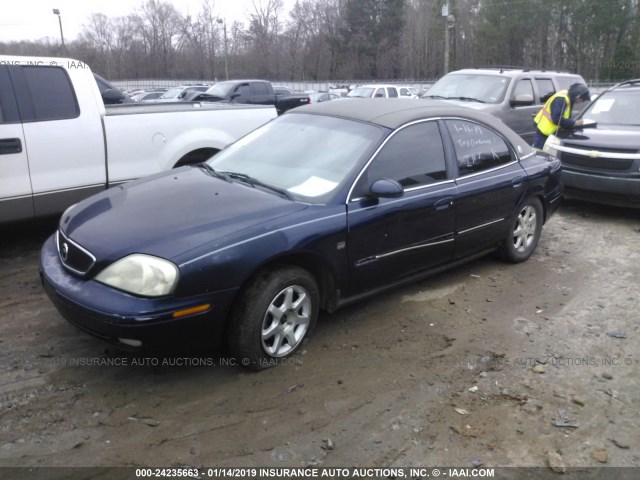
pixel 524 232
pixel 273 317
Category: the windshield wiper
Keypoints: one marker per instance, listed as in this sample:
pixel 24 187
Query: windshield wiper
pixel 213 171
pixel 243 177
pixel 436 96
pixel 468 99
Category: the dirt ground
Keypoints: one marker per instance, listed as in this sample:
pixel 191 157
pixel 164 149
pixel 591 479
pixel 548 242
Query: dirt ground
pixel 487 365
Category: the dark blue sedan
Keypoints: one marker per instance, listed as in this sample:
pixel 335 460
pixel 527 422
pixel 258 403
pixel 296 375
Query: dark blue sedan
pixel 317 209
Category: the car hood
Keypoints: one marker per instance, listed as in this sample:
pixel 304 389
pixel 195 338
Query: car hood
pixel 170 214
pixel 616 137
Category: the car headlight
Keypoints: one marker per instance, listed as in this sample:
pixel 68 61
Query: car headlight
pixel 141 275
pixel 550 144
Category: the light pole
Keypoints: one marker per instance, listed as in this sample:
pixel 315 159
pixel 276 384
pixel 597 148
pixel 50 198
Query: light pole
pixel 57 12
pixel 226 51
pixel 450 21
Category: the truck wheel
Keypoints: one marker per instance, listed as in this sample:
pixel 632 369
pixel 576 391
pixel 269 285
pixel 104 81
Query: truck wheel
pixel 524 232
pixel 273 316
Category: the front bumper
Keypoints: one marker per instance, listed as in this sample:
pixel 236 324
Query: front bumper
pixel 113 315
pixel 617 191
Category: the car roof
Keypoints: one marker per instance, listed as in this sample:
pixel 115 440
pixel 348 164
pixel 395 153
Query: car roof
pixel 377 85
pixel 513 71
pixel 632 85
pixel 394 112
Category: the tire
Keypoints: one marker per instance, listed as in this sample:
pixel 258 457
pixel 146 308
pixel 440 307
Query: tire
pixel 524 232
pixel 273 317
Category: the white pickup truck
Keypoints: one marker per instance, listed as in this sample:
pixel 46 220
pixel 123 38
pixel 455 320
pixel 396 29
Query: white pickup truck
pixel 59 143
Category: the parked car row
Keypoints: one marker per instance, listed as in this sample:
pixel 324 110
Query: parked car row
pixel 331 203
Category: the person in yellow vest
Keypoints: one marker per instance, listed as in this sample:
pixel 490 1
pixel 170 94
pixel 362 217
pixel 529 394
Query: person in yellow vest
pixel 556 113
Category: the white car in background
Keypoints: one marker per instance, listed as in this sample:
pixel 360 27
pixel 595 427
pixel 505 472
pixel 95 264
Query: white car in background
pixel 381 91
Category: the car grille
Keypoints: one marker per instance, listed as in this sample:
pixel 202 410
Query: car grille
pixel 73 256
pixel 599 163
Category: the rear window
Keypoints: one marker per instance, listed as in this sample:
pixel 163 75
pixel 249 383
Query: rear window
pixel 545 89
pixel 477 147
pixel 564 82
pixel 260 88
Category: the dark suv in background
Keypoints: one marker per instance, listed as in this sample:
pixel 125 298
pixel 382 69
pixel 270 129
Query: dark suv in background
pixel 514 95
pixel 601 161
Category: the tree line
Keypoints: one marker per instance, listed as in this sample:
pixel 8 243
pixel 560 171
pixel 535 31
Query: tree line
pixel 357 39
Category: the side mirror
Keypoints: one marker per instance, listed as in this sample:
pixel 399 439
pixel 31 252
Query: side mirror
pixel 111 96
pixel 522 100
pixel 386 188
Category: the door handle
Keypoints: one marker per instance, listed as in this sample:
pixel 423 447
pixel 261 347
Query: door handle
pixel 443 204
pixel 10 145
pixel 517 182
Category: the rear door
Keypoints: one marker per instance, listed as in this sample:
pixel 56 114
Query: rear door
pixel 393 238
pixel 261 94
pixel 64 142
pixel 16 201
pixel 490 182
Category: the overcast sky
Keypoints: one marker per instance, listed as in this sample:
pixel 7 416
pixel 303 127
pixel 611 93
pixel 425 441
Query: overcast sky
pixel 34 19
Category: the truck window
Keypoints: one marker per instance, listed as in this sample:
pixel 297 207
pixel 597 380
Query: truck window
pixel 565 81
pixel 243 91
pixel 8 106
pixel 545 89
pixel 379 93
pixel 393 93
pixel 46 94
pixel 260 88
pixel 523 87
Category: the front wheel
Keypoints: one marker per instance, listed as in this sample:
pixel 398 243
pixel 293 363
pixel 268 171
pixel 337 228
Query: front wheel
pixel 273 317
pixel 524 232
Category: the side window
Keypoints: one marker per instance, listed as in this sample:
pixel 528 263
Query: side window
pixel 393 93
pixel 260 88
pixel 545 89
pixel 477 147
pixel 413 157
pixel 51 93
pixel 404 92
pixel 523 87
pixel 8 106
pixel 243 91
pixel 379 93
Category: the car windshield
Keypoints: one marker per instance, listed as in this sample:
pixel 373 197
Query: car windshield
pixel 311 157
pixel 172 92
pixel 618 107
pixel 220 90
pixel 482 87
pixel 361 92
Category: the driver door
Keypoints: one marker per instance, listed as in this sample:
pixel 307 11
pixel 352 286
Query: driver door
pixel 393 238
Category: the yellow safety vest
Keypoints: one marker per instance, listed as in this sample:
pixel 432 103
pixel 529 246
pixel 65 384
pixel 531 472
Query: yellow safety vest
pixel 543 118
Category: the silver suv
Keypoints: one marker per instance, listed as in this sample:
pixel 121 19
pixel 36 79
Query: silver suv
pixel 514 95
